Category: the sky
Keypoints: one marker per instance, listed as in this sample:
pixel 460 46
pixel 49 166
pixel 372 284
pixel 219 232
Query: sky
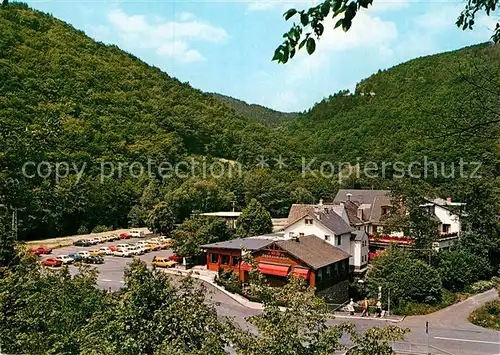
pixel 226 46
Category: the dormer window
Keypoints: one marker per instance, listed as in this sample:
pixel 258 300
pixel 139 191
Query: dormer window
pixel 385 210
pixel 309 221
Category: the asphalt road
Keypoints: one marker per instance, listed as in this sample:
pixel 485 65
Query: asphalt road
pixel 449 330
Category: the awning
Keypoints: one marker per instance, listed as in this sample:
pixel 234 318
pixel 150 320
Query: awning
pixel 245 267
pixel 300 272
pixel 274 269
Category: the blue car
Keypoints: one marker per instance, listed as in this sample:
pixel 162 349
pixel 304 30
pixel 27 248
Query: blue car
pixel 75 257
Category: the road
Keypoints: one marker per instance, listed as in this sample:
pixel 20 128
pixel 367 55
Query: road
pixel 449 330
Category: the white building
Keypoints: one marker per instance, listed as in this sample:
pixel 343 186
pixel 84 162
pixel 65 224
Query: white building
pixel 329 223
pixel 447 213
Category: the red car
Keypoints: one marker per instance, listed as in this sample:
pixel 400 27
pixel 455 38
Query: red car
pixel 52 262
pixel 125 236
pixel 112 247
pixel 41 250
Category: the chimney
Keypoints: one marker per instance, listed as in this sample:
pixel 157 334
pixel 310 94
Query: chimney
pixel 348 195
pixel 448 200
pixel 296 239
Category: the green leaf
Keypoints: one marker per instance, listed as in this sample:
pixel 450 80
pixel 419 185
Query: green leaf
pixel 304 19
pixel 289 14
pixel 339 23
pixel 346 24
pixel 310 45
pixel 365 3
pixel 325 8
pixel 302 43
pixel 277 54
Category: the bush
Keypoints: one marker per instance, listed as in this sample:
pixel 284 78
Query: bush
pixel 415 308
pixel 101 229
pixel 458 269
pixel 83 230
pixel 487 316
pixel 409 279
pixel 230 281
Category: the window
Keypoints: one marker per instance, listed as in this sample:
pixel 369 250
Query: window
pixel 385 210
pixel 446 228
pixel 214 258
pixel 327 238
pixel 320 275
pixel 301 234
pixel 236 260
pixel 309 221
pixel 224 259
pixel 339 239
pixel 328 271
pixel 336 268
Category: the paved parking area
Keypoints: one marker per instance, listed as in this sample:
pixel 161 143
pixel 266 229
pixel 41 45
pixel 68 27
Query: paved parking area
pixel 111 272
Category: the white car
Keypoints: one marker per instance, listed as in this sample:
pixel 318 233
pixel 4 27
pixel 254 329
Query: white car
pixel 122 246
pixel 123 252
pixel 136 250
pixel 83 253
pixel 65 259
pixel 94 240
pixel 106 250
pixel 136 234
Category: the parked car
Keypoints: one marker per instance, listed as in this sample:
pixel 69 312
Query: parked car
pixel 41 250
pixel 175 257
pixel 145 245
pixel 154 246
pixel 52 261
pixel 136 250
pixel 136 234
pixel 75 257
pixel 125 236
pixel 112 248
pixel 82 243
pixel 65 259
pixel 122 245
pixel 161 261
pixel 83 254
pixel 169 242
pixel 123 252
pixel 106 250
pixel 97 252
pixel 95 240
pixel 93 259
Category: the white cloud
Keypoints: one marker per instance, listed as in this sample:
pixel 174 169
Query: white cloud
pixel 367 32
pixel 179 51
pixel 282 5
pixel 168 38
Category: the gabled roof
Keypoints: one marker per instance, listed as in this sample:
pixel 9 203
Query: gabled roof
pixel 313 251
pixel 359 235
pixel 325 214
pixel 375 198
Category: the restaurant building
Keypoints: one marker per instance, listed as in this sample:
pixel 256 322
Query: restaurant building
pixel 321 264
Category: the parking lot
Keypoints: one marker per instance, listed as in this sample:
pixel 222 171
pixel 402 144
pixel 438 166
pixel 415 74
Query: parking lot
pixel 111 272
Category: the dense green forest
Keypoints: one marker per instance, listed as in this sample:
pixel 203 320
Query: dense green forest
pixel 66 98
pixel 257 113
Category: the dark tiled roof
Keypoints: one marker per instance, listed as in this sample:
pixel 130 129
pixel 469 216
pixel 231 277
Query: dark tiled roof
pixel 352 213
pixel 313 251
pixel 359 235
pixel 238 244
pixel 325 215
pixel 375 198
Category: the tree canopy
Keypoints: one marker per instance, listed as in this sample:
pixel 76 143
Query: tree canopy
pixel 254 220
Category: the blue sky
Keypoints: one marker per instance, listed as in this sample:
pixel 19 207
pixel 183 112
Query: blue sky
pixel 226 46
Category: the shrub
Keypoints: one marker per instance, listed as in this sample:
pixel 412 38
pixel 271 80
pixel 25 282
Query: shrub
pixel 101 229
pixel 230 281
pixel 458 269
pixel 83 230
pixel 409 279
pixel 487 316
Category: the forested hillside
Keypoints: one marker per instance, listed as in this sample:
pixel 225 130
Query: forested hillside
pixel 435 106
pixel 66 99
pixel 257 113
